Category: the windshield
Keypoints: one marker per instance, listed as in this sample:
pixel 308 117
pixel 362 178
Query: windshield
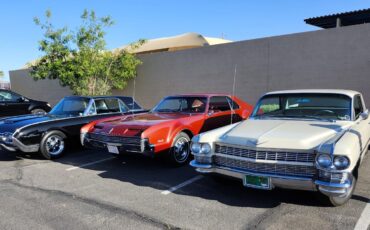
pixel 182 104
pixel 130 103
pixel 316 106
pixel 70 106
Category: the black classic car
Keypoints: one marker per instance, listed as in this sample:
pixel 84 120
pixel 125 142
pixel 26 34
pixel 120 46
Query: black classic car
pixel 50 133
pixel 12 104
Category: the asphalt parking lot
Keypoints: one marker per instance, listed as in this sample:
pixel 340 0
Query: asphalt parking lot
pixel 90 189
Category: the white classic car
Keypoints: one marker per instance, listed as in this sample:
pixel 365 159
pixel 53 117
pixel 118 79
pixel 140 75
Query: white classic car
pixel 298 139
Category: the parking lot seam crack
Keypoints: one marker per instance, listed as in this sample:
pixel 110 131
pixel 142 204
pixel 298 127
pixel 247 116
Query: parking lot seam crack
pixel 100 204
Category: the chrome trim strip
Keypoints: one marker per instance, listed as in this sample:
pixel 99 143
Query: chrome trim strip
pixel 264 161
pixel 346 184
pixel 25 148
pixel 265 149
pixel 11 149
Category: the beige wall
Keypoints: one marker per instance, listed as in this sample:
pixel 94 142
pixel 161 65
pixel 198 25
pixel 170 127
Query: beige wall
pixel 335 58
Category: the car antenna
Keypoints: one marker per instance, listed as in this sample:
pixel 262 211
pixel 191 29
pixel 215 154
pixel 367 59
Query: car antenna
pixel 232 95
pixel 133 98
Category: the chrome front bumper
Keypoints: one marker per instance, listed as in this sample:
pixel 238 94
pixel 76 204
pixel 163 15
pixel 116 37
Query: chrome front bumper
pixel 17 145
pixel 287 182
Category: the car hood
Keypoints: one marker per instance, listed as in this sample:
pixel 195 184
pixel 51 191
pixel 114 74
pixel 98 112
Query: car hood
pixel 10 124
pixel 284 134
pixel 134 125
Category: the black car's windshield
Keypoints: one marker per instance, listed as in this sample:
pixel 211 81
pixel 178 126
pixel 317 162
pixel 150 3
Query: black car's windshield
pixel 70 106
pixel 130 103
pixel 181 104
pixel 314 106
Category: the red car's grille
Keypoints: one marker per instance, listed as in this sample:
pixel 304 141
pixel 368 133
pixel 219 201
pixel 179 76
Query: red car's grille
pixel 115 139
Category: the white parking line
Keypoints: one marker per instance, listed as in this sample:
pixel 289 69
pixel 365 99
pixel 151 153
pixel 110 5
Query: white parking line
pixel 91 163
pixel 364 221
pixel 183 184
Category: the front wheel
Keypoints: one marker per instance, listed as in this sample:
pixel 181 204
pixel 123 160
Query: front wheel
pixel 179 153
pixel 52 145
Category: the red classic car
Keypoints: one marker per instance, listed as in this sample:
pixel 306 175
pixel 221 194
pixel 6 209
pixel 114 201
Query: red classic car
pixel 168 127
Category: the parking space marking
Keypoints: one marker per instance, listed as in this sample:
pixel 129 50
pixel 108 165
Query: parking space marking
pixel 364 220
pixel 88 164
pixel 183 184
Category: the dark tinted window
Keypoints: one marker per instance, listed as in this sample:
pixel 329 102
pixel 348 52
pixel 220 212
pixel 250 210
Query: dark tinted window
pixel 9 96
pixel 130 103
pixel 108 105
pixel 232 103
pixel 219 103
pixel 182 104
pixel 73 106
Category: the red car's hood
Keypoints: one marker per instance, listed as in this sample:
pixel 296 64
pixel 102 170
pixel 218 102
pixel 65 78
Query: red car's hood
pixel 134 125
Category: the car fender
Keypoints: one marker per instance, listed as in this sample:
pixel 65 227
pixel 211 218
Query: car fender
pixel 349 145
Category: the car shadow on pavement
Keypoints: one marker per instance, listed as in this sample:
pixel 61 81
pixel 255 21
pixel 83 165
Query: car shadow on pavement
pixel 14 156
pixel 147 172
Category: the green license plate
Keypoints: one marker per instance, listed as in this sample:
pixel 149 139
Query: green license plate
pixel 257 182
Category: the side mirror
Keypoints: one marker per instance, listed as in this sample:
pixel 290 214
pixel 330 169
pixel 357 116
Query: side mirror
pixel 364 115
pixel 21 99
pixel 210 112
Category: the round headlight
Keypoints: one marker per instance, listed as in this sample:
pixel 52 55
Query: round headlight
pixel 324 160
pixel 195 147
pixel 206 148
pixel 341 162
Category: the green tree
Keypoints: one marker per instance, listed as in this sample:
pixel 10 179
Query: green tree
pixel 80 60
pixel 1 74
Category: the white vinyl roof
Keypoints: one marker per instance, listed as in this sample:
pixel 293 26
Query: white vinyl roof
pixel 346 92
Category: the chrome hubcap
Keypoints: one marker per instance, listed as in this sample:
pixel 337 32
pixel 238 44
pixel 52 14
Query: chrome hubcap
pixel 181 149
pixel 54 145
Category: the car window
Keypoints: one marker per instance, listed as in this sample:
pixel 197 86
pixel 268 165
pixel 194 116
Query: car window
pixel 269 105
pixel 358 107
pixel 186 104
pixel 232 103
pixel 314 105
pixel 72 106
pixel 107 105
pixel 219 103
pixel 8 96
pixel 130 103
pixel 92 110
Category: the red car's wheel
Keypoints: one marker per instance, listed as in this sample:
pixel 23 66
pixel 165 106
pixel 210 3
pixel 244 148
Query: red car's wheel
pixel 180 150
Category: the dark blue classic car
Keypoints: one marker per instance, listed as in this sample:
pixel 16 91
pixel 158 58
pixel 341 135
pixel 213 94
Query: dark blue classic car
pixel 50 133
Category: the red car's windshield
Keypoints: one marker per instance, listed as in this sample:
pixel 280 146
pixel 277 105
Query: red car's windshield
pixel 181 104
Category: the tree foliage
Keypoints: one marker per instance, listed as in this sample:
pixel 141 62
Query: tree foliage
pixel 1 73
pixel 80 60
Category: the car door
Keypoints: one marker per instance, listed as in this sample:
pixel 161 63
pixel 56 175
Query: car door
pixel 219 113
pixel 13 104
pixel 361 127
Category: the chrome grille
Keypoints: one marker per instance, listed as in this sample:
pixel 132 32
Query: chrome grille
pixel 284 166
pixel 266 155
pixel 115 139
pixel 274 169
